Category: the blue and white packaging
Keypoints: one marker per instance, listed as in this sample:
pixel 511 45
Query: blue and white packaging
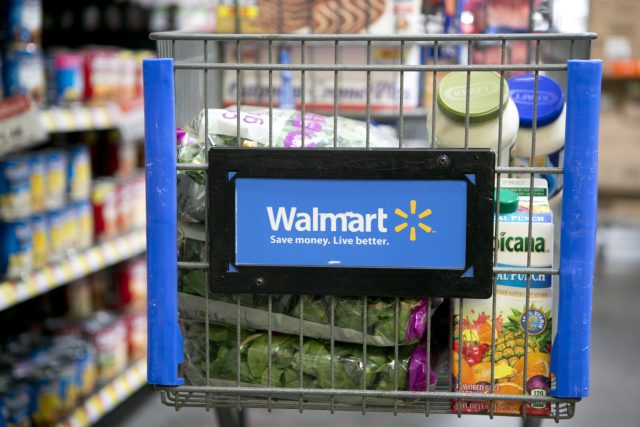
pixel 15 193
pixel 16 249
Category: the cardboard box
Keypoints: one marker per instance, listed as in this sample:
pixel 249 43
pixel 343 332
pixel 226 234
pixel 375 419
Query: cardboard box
pixel 321 16
pixel 319 85
pixel 616 22
pixel 619 157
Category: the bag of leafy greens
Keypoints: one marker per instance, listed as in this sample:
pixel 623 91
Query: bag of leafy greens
pixel 288 359
pixel 413 313
pixel 286 131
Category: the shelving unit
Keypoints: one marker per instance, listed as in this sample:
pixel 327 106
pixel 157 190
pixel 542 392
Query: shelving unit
pixel 22 125
pixel 109 396
pixel 75 266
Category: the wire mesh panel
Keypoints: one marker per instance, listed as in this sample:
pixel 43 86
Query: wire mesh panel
pixel 353 353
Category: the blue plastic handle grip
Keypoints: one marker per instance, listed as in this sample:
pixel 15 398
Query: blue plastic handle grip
pixel 165 349
pixel 571 346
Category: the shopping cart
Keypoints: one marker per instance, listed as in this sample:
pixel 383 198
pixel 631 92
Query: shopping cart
pixel 187 78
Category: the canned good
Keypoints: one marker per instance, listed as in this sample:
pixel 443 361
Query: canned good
pixel 57 227
pixel 15 188
pixel 124 204
pixel 39 239
pixel 15 406
pixel 45 403
pixel 69 70
pixel 137 334
pixel 24 73
pixel 108 334
pixel 138 206
pixel 24 21
pixel 65 369
pixel 16 248
pixel 79 173
pixel 132 283
pixel 103 197
pixel 84 225
pixel 84 356
pixel 56 182
pixel 71 227
pixel 38 170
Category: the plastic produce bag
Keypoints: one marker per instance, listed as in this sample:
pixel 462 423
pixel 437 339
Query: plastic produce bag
pixel 287 360
pixel 413 313
pixel 254 132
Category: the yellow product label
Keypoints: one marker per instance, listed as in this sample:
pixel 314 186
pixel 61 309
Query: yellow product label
pixel 85 229
pixel 37 192
pixel 89 379
pixel 48 407
pixel 81 181
pixel 18 263
pixel 56 182
pixel 57 237
pixel 39 239
pixel 227 19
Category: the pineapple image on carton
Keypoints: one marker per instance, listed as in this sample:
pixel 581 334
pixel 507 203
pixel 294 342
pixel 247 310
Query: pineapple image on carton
pixel 474 325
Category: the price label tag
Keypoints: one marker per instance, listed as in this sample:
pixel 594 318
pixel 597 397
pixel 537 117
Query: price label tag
pixel 20 124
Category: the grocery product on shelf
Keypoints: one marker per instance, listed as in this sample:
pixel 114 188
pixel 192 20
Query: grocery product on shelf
pixel 550 124
pixel 40 240
pixel 79 173
pixel 486 114
pixel 84 216
pixel 15 402
pixel 16 247
pixel 69 77
pixel 131 278
pixel 56 227
pixel 38 173
pixel 56 180
pixel 24 73
pixel 136 323
pixel 474 324
pixel 103 197
pixel 108 334
pixel 24 21
pixel 15 187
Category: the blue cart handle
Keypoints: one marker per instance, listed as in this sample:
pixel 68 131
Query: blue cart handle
pixel 571 346
pixel 165 349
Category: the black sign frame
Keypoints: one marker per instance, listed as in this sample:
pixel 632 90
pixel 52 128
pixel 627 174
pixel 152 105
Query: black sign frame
pixel 228 164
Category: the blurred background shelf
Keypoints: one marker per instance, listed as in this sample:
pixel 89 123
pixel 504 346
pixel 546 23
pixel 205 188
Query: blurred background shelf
pixel 109 396
pixel 75 266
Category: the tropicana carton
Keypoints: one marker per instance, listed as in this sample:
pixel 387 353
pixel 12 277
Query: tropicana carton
pixel 474 320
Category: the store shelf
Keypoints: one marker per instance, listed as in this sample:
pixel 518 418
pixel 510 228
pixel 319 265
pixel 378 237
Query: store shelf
pixel 127 117
pixel 19 125
pixel 22 125
pixel 109 396
pixel 74 267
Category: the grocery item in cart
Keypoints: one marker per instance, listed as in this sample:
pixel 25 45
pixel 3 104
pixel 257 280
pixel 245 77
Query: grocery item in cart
pixel 475 323
pixel 16 248
pixel 382 92
pixel 254 132
pixel 550 124
pixel 287 358
pixel 15 188
pixel 487 112
pixel 56 179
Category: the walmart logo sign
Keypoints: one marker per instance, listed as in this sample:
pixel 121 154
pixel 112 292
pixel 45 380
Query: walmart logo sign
pixel 351 223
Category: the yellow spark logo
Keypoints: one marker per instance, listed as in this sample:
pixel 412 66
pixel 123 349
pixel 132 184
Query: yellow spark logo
pixel 412 230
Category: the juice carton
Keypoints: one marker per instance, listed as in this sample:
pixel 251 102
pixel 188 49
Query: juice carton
pixel 474 321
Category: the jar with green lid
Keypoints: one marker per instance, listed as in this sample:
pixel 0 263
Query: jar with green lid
pixel 485 108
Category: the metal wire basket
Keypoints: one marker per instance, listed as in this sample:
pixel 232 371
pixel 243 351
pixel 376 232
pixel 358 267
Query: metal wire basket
pixel 202 64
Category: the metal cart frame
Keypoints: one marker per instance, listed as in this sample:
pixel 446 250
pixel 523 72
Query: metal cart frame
pixel 570 350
